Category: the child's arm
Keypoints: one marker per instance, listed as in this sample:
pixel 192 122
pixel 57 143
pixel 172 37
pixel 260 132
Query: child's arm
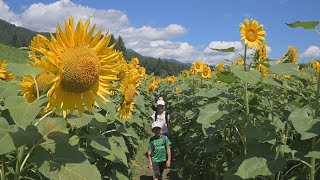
pixel 168 163
pixel 149 158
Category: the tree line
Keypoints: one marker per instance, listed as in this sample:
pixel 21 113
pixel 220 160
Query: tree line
pixel 14 36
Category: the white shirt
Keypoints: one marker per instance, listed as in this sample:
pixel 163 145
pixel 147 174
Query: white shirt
pixel 161 118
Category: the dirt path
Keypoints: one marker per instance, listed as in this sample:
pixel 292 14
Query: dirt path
pixel 147 173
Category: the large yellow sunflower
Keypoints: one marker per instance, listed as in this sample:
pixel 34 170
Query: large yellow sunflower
pixel 252 33
pixel 86 67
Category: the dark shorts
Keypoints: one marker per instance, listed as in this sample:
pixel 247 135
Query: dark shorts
pixel 158 168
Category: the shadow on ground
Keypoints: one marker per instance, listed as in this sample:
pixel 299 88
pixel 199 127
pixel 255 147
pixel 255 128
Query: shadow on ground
pixel 173 175
pixel 144 177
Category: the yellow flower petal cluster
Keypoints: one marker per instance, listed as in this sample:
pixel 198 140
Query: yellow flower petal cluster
pixel 128 88
pixel 171 79
pixel 197 67
pixel 262 52
pixel 263 69
pixel 178 90
pixel 239 62
pixel 220 67
pixel 252 33
pixel 206 73
pixel 201 69
pixel 85 66
pixel 316 65
pixel 185 74
pixel 4 75
pixel 293 54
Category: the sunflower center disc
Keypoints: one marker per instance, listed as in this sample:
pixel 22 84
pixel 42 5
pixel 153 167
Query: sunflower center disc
pixel 81 68
pixel 251 35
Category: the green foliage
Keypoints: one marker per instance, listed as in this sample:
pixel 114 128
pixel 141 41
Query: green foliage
pixel 255 166
pixel 305 24
pixel 230 49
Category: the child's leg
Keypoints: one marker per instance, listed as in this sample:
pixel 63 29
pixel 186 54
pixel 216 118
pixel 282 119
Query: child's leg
pixel 162 166
pixel 156 170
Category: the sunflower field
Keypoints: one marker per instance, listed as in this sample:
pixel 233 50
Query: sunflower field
pixel 76 109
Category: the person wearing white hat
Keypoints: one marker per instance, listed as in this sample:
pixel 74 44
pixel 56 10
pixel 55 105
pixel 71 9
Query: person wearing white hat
pixel 159 151
pixel 161 116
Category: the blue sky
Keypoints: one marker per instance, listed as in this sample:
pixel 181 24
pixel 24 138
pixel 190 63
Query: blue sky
pixel 183 30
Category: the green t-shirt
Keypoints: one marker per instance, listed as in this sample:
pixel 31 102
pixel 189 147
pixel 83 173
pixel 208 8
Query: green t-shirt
pixel 159 154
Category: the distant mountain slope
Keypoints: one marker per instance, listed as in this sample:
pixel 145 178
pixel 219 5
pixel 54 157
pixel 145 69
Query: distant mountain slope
pixel 14 36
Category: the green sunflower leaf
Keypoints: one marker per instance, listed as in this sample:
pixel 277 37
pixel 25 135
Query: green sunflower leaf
pixel 230 49
pixel 305 24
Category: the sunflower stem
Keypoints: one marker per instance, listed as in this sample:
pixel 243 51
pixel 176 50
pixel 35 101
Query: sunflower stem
pixel 3 173
pixel 314 139
pixel 317 31
pixel 43 117
pixel 37 87
pixel 246 98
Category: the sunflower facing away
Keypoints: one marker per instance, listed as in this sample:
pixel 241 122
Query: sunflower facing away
pixel 128 88
pixel 4 75
pixel 252 33
pixel 34 87
pixel 86 67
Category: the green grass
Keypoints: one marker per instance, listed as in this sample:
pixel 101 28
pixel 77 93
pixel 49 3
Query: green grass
pixel 139 165
pixel 13 55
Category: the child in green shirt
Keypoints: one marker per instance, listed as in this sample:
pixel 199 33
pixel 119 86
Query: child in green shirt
pixel 159 151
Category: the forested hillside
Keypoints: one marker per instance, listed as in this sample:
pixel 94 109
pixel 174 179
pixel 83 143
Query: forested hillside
pixel 14 36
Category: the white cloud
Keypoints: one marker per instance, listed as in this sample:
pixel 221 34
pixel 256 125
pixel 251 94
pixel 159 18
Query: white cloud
pixel 311 52
pixel 44 17
pixel 6 14
pixel 150 33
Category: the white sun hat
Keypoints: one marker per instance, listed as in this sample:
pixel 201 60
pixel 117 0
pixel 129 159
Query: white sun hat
pixel 160 101
pixel 156 124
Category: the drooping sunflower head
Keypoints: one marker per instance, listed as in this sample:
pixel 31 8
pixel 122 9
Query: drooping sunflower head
pixel 252 33
pixel 220 67
pixel 134 62
pixel 293 54
pixel 34 87
pixel 4 75
pixel 152 87
pixel 316 65
pixel 262 52
pixel 142 72
pixel 125 111
pixel 86 66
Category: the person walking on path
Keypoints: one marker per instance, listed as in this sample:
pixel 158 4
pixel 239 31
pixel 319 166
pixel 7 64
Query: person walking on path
pixel 159 151
pixel 161 116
